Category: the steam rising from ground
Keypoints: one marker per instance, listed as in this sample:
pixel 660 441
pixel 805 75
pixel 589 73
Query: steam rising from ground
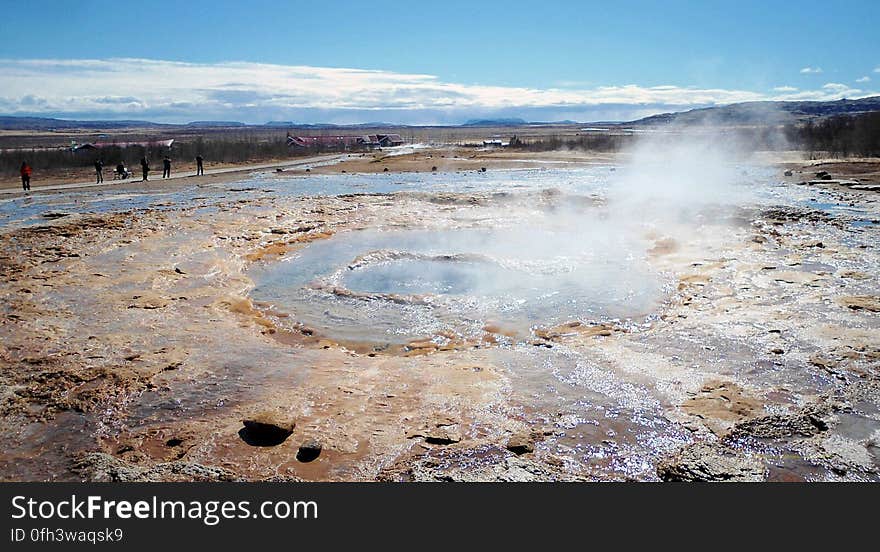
pixel 668 177
pixel 535 257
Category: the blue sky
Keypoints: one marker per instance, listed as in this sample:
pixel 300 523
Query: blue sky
pixel 420 62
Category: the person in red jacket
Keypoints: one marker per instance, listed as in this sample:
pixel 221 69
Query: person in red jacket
pixel 26 176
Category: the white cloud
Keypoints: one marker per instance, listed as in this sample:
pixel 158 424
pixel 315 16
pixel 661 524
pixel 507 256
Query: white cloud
pixel 256 92
pixel 866 78
pixel 785 89
pixel 811 70
pixel 829 91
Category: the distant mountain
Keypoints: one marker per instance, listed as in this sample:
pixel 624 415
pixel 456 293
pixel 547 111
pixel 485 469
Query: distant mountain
pixel 45 123
pixel 764 112
pixel 320 126
pixel 732 114
pixel 213 124
pixel 495 122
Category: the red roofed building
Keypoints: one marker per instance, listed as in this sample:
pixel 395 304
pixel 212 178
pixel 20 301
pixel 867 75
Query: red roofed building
pixel 344 142
pixel 329 142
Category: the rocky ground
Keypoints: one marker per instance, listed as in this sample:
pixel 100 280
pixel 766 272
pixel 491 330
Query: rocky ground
pixel 131 351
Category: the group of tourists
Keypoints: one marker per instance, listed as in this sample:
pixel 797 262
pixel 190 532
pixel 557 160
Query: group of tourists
pixel 121 171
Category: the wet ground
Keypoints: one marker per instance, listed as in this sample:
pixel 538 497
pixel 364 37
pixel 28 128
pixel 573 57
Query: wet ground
pixel 538 324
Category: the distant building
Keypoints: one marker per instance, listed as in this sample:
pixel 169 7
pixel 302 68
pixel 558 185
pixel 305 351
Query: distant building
pixel 345 142
pixel 98 145
pixel 389 140
pixel 333 142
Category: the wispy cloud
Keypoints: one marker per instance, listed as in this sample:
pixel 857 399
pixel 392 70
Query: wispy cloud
pixel 811 70
pixel 866 78
pixel 828 91
pixel 785 89
pixel 254 92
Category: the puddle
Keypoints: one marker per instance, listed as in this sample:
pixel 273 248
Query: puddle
pixel 864 223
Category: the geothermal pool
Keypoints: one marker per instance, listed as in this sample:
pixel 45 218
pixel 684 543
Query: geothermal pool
pixel 391 287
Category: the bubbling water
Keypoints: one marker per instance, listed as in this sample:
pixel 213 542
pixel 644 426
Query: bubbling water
pixel 392 287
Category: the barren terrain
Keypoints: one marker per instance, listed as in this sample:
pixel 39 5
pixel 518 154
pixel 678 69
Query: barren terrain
pixel 133 348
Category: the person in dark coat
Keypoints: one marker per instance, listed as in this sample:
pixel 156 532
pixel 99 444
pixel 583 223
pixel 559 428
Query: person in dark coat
pixel 99 171
pixel 26 176
pixel 200 167
pixel 145 168
pixel 166 167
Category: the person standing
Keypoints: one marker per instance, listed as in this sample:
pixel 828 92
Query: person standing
pixel 166 167
pixel 99 171
pixel 145 168
pixel 25 176
pixel 200 167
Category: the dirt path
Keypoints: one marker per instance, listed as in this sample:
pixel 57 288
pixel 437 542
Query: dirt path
pixel 227 174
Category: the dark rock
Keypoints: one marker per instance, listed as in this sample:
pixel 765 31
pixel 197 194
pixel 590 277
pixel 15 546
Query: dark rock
pixel 442 432
pixel 521 443
pixel 710 462
pixel 266 429
pixel 309 451
pixel 788 173
pixel 808 421
pixel 102 467
pixel 459 466
pixel 442 436
pixel 55 214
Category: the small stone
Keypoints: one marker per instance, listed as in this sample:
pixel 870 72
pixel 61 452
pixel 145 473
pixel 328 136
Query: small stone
pixel 869 303
pixel 441 432
pixel 521 443
pixel 266 429
pixel 309 451
pixel 711 462
pixel 442 436
pixel 148 300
